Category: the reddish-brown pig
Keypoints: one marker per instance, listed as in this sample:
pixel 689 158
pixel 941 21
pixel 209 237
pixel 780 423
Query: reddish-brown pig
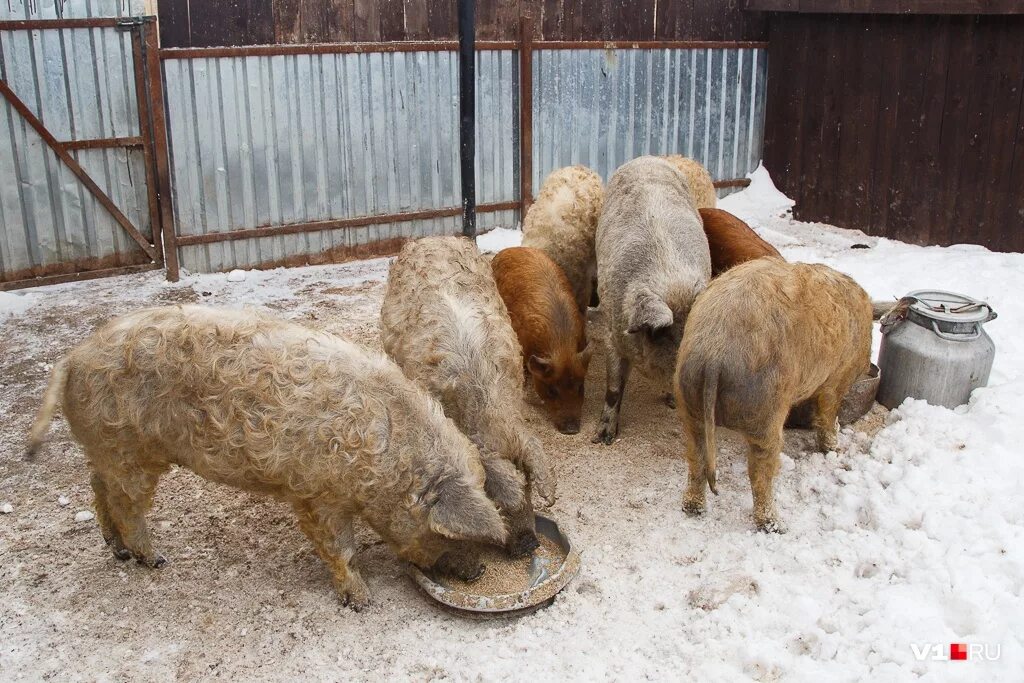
pixel 550 329
pixel 732 241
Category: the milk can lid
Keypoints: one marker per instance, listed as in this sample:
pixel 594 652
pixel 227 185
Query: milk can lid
pixel 950 307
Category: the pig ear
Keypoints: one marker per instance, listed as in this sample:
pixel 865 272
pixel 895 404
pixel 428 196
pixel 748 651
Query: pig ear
pixel 649 314
pixel 539 366
pixel 463 512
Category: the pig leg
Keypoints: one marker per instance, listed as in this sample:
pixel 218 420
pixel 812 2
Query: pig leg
pixel 826 416
pixel 694 501
pixel 129 495
pixel 762 466
pixel 332 535
pixel 111 536
pixel 618 373
pixel 522 530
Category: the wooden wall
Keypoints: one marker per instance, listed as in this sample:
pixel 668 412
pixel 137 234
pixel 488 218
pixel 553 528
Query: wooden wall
pixel 909 127
pixel 207 23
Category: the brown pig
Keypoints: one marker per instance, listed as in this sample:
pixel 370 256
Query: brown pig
pixel 550 328
pixel 761 338
pixel 732 241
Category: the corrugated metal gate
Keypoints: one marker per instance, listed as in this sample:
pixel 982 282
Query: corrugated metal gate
pixel 79 194
pixel 291 154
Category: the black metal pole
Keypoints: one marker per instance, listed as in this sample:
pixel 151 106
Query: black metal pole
pixel 467 113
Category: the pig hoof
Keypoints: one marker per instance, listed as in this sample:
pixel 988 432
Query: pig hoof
pixel 353 592
pixel 155 562
pixel 605 436
pixel 122 554
pixel 522 545
pixel 693 508
pixel 771 525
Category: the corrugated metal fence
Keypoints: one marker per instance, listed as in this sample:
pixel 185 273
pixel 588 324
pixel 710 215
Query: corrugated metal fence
pixel 275 140
pixel 264 141
pixel 602 108
pixel 332 144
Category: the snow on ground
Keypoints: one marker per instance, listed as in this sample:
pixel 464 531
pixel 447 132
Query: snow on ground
pixel 911 534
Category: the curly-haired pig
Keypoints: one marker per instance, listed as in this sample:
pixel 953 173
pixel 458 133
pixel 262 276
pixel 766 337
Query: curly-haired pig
pixel 446 326
pixel 562 221
pixel 732 241
pixel 242 398
pixel 550 328
pixel 763 337
pixel 652 262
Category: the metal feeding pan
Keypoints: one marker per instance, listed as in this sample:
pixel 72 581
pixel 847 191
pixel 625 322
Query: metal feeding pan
pixel 546 578
pixel 856 403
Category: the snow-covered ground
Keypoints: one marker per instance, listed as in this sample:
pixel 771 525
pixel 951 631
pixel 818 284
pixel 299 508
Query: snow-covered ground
pixel 912 534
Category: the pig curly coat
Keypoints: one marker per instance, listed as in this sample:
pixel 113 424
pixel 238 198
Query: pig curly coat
pixel 702 187
pixel 445 324
pixel 562 223
pixel 763 337
pixel 245 399
pixel 652 262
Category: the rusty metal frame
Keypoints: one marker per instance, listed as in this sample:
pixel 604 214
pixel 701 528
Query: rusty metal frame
pixel 62 149
pixel 338 224
pixel 525 113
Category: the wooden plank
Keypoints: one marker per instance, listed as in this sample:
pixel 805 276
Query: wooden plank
pixel 885 123
pixel 442 21
pixel 286 21
pixel 366 20
pixel 784 121
pixel 1003 63
pixel 823 74
pixel 313 21
pixel 175 30
pixel 416 27
pixel 909 153
pixel 218 23
pixel 260 22
pixel 952 140
pixel 631 20
pixel 858 103
pixel 931 7
pixel 392 19
pixel 338 19
pixel 77 170
pixel 929 225
pixel 1015 206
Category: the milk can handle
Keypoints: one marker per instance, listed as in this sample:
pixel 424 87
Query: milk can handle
pixel 957 337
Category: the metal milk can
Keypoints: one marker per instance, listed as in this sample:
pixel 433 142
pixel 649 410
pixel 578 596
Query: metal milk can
pixel 934 348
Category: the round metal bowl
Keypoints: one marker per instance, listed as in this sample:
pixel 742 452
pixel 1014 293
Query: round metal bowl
pixel 856 403
pixel 545 582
